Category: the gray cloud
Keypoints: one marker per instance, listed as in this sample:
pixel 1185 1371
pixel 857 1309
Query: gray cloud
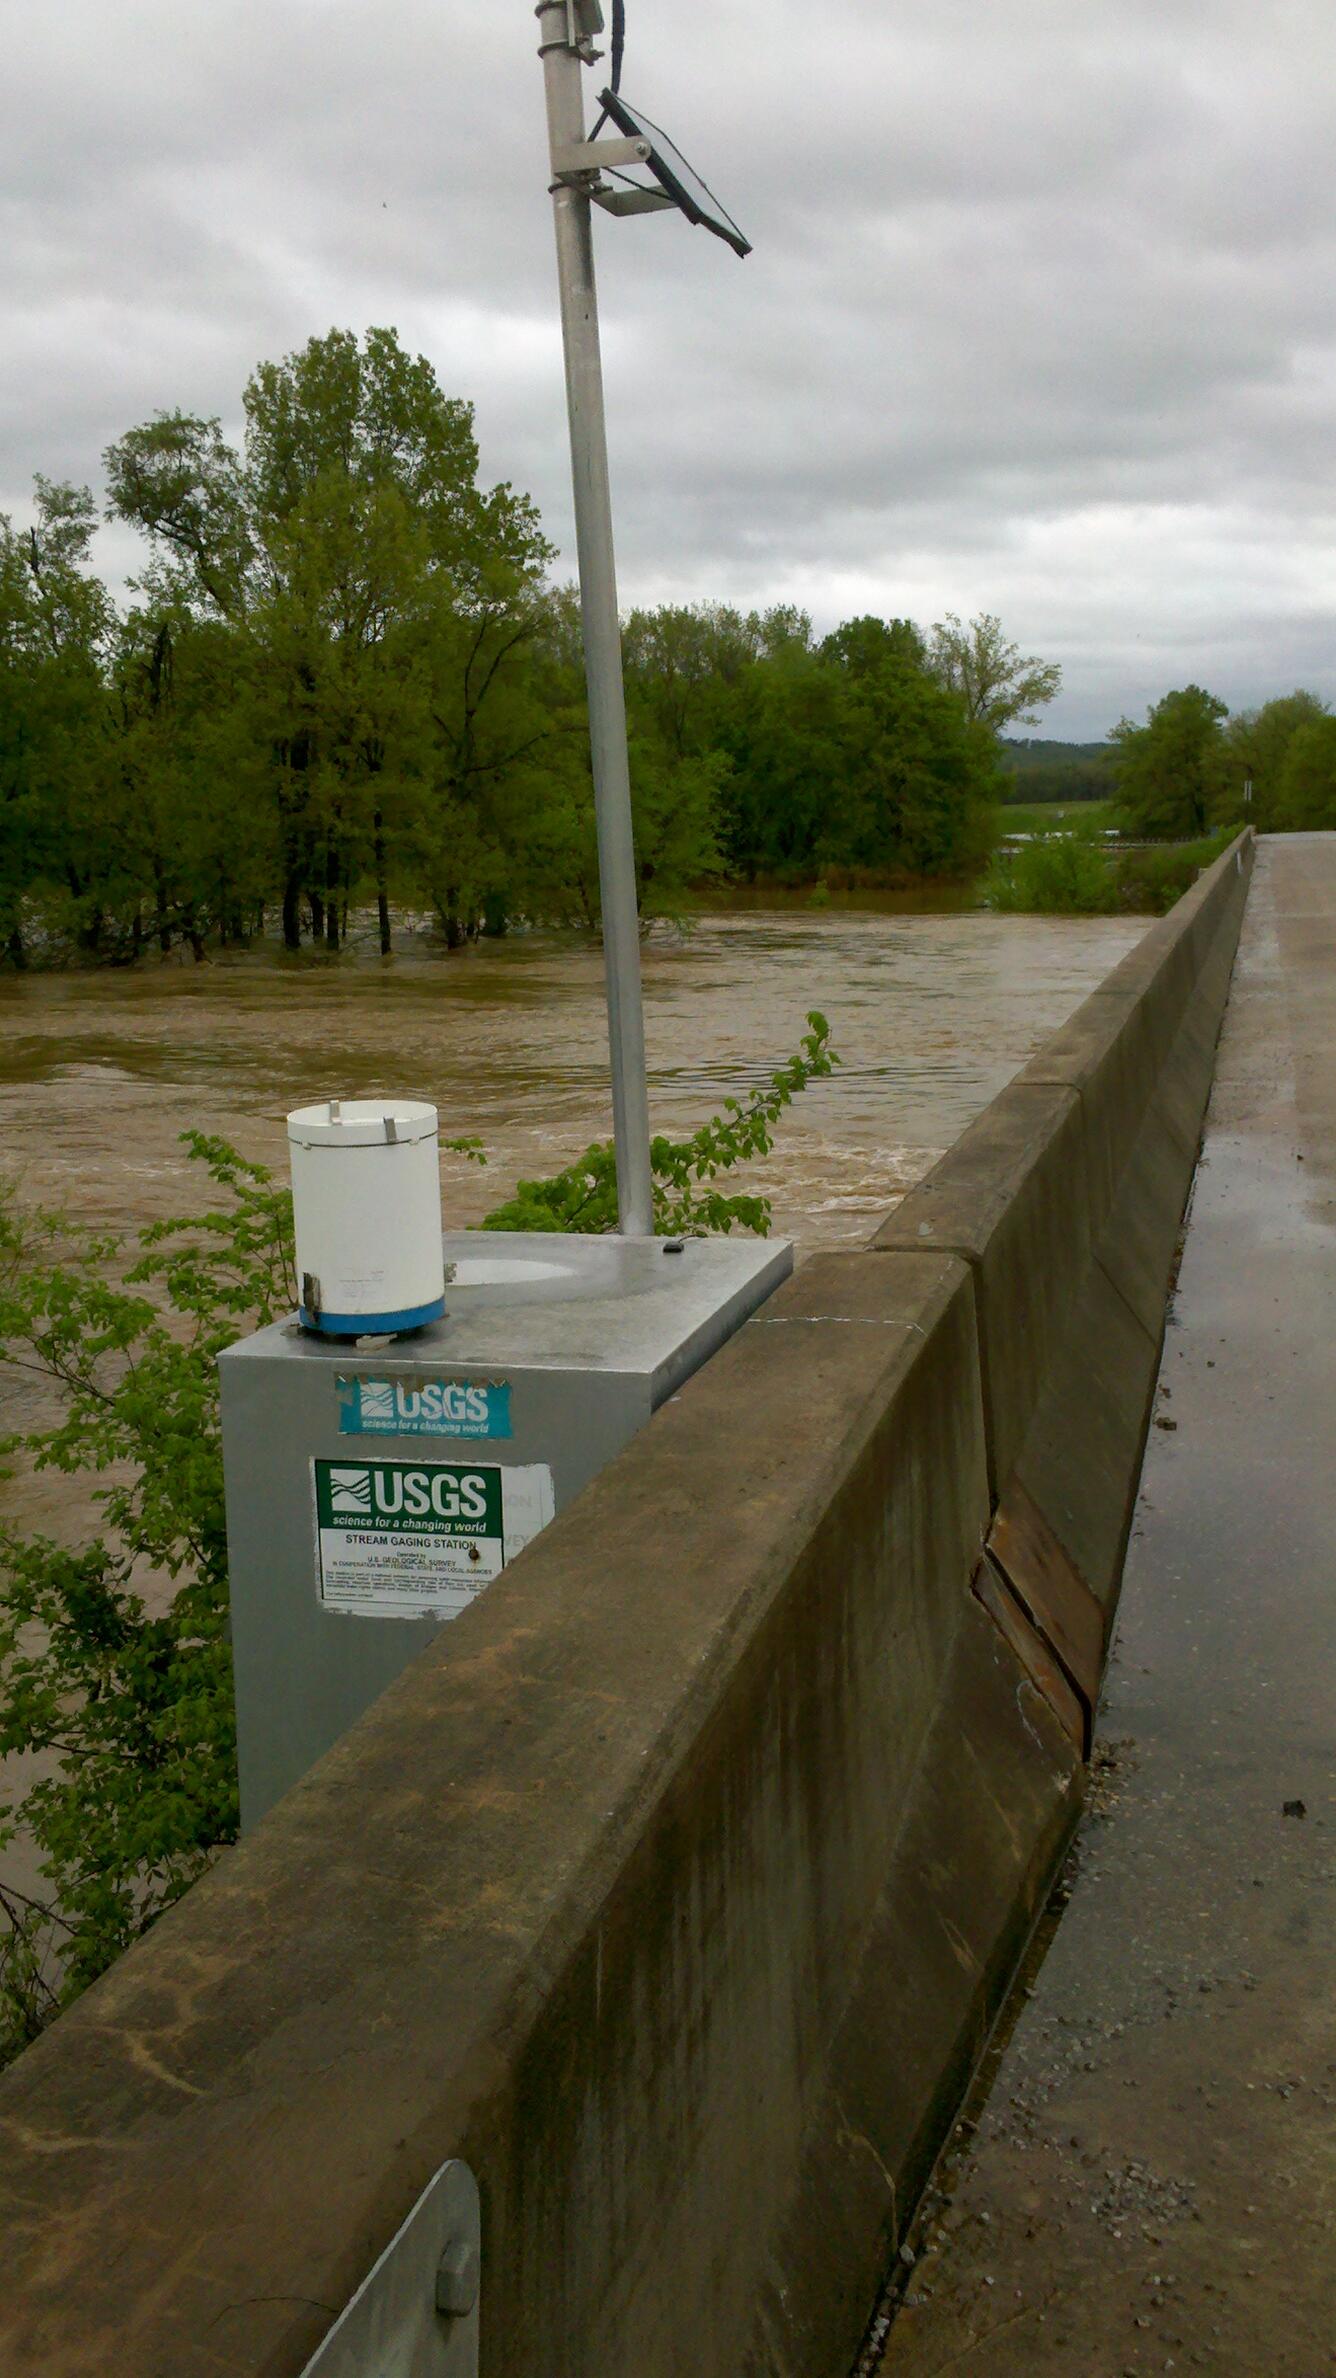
pixel 1038 319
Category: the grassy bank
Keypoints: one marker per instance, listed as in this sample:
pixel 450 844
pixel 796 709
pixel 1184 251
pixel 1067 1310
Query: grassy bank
pixel 1042 817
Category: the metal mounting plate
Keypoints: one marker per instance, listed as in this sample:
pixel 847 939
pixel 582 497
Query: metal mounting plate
pixel 631 202
pixel 392 2328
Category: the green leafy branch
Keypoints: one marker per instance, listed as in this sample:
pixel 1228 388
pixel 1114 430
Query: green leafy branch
pixel 687 1204
pixel 131 1710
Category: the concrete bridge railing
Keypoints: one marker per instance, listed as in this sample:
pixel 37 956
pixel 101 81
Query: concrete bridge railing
pixel 676 1886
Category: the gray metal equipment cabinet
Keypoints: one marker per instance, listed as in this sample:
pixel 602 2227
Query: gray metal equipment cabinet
pixel 376 1486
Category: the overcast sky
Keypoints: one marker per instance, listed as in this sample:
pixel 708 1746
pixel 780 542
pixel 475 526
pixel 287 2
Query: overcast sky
pixel 1039 319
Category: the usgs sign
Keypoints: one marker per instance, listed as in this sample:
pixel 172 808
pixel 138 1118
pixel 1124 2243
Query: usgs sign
pixel 424 1408
pixel 420 1539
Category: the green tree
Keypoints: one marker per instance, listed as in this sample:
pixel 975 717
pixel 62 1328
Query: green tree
pixel 918 774
pixel 1172 772
pixel 995 681
pixel 688 670
pixel 27 842
pixel 184 806
pixel 1257 744
pixel 683 662
pixel 851 755
pixel 783 734
pixel 1041 770
pixel 56 622
pixel 381 595
pixel 864 648
pixel 1305 796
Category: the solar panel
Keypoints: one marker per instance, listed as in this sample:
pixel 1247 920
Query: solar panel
pixel 677 181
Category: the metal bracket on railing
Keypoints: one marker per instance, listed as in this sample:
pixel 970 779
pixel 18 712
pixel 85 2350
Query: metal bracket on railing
pixel 415 2314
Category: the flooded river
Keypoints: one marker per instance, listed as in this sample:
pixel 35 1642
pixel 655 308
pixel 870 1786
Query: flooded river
pixel 101 1073
pixel 931 1014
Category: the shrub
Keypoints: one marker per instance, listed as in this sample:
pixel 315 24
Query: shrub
pixel 135 1710
pixel 1072 874
pixel 1150 881
pixel 1053 874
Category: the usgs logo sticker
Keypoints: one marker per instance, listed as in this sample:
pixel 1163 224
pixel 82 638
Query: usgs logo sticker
pixel 424 1407
pixel 420 1539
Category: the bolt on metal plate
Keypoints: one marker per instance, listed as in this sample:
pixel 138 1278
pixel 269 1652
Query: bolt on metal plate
pixel 415 2314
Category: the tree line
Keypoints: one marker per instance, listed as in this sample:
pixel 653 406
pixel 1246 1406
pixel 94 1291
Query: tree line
pixel 344 686
pixel 1191 766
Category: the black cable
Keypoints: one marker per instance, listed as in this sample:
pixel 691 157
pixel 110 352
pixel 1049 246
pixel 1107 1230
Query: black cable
pixel 618 41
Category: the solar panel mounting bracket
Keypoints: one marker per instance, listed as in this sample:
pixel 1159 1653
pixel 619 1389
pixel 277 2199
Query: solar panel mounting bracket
pixel 571 163
pixel 632 202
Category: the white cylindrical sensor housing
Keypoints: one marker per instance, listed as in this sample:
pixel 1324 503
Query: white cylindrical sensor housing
pixel 366 1197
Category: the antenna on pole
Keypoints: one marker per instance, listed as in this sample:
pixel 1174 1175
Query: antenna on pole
pixel 567 33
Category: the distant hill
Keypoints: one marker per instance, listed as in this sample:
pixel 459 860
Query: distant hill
pixel 1042 769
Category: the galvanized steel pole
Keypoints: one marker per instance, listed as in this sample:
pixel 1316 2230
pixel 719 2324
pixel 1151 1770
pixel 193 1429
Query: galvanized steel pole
pixel 602 626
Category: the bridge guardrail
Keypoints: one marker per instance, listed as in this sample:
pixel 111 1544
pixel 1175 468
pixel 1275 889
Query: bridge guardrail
pixel 675 1888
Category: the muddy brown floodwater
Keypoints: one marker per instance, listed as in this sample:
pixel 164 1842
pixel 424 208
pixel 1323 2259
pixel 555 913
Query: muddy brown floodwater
pixel 101 1073
pixel 931 1013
